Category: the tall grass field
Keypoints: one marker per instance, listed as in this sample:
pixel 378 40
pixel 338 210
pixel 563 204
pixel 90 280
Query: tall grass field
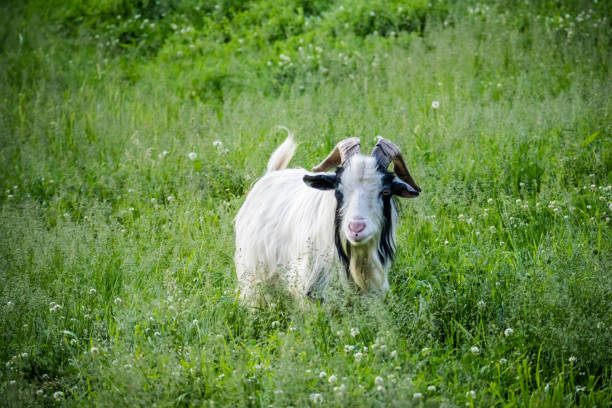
pixel 131 132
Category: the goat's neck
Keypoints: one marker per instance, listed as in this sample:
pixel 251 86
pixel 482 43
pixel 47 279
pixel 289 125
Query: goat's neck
pixel 366 269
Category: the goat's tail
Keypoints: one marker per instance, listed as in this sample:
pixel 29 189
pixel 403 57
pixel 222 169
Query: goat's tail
pixel 283 154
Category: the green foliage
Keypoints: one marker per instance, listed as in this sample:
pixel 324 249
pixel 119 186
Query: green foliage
pixel 131 132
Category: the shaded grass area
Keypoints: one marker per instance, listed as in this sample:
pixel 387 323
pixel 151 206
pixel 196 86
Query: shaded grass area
pixel 116 246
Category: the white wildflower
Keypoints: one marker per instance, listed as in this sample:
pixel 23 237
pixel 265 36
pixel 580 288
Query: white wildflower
pixel 471 394
pixel 380 388
pixel 475 350
pixel 572 359
pixel 503 361
pixel 340 333
pixel 417 396
pixel 378 380
pixel 358 356
pixel 332 379
pixel 94 350
pixel 322 374
pixel 339 389
pixel 481 305
pixel 192 155
pixel 394 354
pixel 508 332
pixel 435 104
pixel 92 291
pixel 490 200
pixel 118 301
pixel 431 388
pixel 275 323
pixel 58 395
pixel 316 398
pixel 493 229
pixel 354 331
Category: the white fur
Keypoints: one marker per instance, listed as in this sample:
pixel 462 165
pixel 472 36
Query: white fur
pixel 285 229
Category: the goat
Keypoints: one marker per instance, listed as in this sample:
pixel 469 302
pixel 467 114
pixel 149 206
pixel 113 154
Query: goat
pixel 295 226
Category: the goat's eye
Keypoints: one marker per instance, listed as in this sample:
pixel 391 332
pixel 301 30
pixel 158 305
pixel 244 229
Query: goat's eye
pixel 386 192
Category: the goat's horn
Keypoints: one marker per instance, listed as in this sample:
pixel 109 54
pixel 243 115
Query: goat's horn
pixel 341 153
pixel 385 152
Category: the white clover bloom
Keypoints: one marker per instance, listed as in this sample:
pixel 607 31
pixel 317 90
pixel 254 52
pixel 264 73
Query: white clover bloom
pixel 417 396
pixel 10 304
pixel 58 395
pixel 471 394
pixel 490 200
pixel 481 305
pixel 53 307
pixel 493 229
pixel 316 398
pixel 92 291
pixel 354 331
pixel 394 354
pixel 340 333
pixel 475 350
pixel 39 392
pixel 572 359
pixel 195 322
pixel 508 332
pixel 157 334
pixel 94 351
pixel 73 342
pixel 218 143
pixel 378 380
pixel 192 156
pixel 322 374
pixel 431 388
pixel 24 355
pixel 339 389
pixel 12 382
pixel 332 379
pixel 118 301
pixel 503 361
pixel 358 356
pixel 275 323
pixel 435 104
pixel 380 388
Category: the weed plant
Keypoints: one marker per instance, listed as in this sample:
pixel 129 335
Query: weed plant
pixel 131 131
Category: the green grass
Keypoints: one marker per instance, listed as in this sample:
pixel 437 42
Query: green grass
pixel 501 284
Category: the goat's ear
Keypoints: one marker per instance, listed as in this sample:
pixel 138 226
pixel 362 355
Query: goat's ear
pixel 399 188
pixel 321 181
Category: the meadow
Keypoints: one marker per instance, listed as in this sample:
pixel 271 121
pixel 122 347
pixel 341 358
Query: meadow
pixel 131 132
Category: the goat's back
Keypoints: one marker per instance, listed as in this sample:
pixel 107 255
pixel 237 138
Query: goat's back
pixel 284 229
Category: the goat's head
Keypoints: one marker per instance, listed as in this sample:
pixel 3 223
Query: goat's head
pixel 364 188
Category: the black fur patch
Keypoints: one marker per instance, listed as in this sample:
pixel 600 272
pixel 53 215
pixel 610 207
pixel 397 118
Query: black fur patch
pixel 386 248
pixel 342 254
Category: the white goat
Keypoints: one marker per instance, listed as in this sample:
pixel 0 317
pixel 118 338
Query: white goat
pixel 295 226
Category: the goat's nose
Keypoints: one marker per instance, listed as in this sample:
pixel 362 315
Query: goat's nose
pixel 356 227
